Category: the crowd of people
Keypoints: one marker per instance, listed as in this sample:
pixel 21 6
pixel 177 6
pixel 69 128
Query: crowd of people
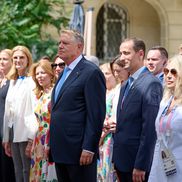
pixel 73 120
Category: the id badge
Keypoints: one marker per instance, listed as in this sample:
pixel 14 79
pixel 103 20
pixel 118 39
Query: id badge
pixel 168 160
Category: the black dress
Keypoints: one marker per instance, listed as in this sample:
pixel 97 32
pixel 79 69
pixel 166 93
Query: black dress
pixel 6 163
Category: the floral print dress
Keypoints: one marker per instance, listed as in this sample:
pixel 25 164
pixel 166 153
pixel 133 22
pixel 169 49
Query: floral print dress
pixel 105 169
pixel 41 169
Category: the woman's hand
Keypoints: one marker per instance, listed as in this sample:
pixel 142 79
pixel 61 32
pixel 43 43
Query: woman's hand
pixel 28 149
pixel 7 148
pixel 113 127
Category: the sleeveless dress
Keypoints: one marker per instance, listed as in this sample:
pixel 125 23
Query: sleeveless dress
pixel 41 169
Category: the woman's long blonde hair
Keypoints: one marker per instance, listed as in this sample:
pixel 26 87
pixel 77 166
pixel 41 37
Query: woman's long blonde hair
pixel 48 69
pixel 13 73
pixel 9 52
pixel 176 63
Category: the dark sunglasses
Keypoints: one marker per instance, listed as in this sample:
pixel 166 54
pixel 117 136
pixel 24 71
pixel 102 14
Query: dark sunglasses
pixel 172 71
pixel 61 65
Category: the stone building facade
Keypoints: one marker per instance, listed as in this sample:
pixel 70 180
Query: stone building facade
pixel 157 22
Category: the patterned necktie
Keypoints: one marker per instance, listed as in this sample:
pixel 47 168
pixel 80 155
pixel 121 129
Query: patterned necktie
pixel 127 88
pixel 61 82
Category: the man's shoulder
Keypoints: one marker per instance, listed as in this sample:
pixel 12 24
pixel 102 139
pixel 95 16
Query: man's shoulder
pixel 89 64
pixel 89 67
pixel 149 78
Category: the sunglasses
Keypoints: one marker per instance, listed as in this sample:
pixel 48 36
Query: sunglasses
pixel 172 71
pixel 61 65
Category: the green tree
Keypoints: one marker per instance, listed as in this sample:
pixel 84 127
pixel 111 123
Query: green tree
pixel 22 21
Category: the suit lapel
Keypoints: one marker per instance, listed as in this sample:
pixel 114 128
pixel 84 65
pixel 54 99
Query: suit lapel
pixel 135 85
pixel 120 98
pixel 131 91
pixel 53 91
pixel 71 78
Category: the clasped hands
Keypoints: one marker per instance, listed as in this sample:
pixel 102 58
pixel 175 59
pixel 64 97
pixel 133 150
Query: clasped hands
pixel 110 126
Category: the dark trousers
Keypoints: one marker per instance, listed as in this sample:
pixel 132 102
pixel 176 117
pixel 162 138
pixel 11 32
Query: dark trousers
pixel 6 166
pixel 76 173
pixel 127 176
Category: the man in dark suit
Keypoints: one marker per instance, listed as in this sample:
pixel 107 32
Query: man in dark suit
pixel 138 106
pixel 78 112
pixel 157 58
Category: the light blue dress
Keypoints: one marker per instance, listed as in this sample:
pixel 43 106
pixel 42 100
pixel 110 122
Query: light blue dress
pixel 157 173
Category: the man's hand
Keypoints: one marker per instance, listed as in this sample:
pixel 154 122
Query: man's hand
pixel 86 158
pixel 138 175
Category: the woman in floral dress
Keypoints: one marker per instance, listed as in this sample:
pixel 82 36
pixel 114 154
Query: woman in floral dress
pixel 104 165
pixel 41 168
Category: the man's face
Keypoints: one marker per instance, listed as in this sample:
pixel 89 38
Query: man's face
pixel 69 48
pixel 130 59
pixel 155 62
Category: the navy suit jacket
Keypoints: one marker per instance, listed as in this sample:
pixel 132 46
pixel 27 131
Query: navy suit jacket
pixel 78 114
pixel 135 135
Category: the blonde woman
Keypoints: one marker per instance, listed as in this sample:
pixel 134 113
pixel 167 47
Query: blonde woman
pixel 6 163
pixel 19 125
pixel 167 160
pixel 41 169
pixel 5 65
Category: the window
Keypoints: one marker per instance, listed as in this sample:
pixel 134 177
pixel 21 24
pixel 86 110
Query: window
pixel 111 29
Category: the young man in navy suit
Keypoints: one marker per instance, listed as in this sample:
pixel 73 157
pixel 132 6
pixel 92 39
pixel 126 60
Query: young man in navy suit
pixel 138 105
pixel 77 114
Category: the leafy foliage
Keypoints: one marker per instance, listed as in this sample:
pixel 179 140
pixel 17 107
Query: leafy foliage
pixel 22 23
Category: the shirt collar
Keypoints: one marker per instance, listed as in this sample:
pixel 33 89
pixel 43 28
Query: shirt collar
pixel 138 72
pixel 75 62
pixel 159 75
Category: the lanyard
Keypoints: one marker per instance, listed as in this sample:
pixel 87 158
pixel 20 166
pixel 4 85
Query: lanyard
pixel 168 124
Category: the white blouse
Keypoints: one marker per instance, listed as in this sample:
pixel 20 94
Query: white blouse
pixel 19 107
